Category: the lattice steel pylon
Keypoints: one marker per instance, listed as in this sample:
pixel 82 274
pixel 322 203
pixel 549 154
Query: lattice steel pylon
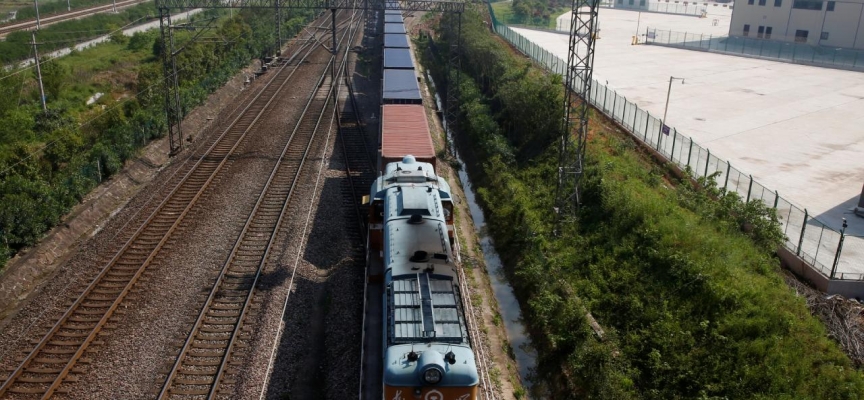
pixel 173 108
pixel 577 87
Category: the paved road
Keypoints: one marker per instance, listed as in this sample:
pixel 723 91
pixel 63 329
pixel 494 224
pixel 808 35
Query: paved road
pixel 798 129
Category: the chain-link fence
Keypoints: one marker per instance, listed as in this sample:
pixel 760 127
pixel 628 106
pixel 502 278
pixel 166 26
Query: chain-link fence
pixel 771 47
pixel 827 250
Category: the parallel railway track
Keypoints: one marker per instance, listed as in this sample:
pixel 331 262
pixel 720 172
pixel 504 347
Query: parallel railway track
pixel 203 363
pixel 42 371
pixel 74 14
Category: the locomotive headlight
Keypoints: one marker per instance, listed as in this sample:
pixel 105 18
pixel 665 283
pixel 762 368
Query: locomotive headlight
pixel 432 376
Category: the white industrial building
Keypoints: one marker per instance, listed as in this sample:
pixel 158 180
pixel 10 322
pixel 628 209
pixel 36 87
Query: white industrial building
pixel 835 23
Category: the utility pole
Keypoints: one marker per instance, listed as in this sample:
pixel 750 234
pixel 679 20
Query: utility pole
pixel 38 71
pixel 665 128
pixel 36 4
pixel 68 5
pixel 577 90
pixel 278 29
pixel 114 6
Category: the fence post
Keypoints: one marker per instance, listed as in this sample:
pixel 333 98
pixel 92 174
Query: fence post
pixel 634 118
pixel 614 104
pixel 726 44
pixel 690 153
pixel 624 113
pixel 801 239
pixel 707 161
pixel 674 139
pixel 645 135
pixel 749 189
pixel 776 199
pixel 728 169
pixel 605 95
pixel 701 36
pixel 839 249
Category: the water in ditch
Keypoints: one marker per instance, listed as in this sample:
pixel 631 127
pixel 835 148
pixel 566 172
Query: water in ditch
pixel 511 313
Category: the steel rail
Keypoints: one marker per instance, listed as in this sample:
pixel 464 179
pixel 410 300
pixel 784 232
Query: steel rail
pixel 46 340
pixel 55 18
pixel 271 361
pixel 251 220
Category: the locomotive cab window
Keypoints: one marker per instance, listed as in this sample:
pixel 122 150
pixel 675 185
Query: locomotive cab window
pixel 448 210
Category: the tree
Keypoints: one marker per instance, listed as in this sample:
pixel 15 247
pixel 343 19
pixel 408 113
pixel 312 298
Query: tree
pixel 55 77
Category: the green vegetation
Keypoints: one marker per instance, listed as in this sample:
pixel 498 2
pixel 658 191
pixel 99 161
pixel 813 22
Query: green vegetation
pixel 16 47
pixel 681 276
pixel 28 11
pixel 49 161
pixel 540 13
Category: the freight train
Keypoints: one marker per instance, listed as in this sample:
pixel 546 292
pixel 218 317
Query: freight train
pixel 426 351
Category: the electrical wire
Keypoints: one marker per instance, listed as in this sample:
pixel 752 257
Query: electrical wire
pixel 119 103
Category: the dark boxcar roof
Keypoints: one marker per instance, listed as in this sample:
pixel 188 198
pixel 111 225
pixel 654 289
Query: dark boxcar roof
pixel 398 58
pixel 393 18
pixel 400 86
pixel 395 40
pixel 394 28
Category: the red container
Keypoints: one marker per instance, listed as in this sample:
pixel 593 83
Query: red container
pixel 404 130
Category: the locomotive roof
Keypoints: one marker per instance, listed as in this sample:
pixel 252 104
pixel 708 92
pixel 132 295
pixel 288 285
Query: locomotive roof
pixel 425 308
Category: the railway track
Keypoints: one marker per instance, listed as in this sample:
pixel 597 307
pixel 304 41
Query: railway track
pixel 203 363
pixel 57 355
pixel 359 163
pixel 55 18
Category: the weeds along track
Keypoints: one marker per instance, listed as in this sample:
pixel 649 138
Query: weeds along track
pixel 59 352
pixel 203 364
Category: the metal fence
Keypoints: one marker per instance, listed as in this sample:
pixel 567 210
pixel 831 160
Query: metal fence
pixel 693 9
pixel 815 242
pixel 773 49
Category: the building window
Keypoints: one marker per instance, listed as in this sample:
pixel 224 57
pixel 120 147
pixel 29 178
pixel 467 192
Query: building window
pixel 778 3
pixel 830 6
pixel 750 2
pixel 801 36
pixel 761 2
pixel 631 2
pixel 621 2
pixel 641 3
pixel 768 33
pixel 824 36
pixel 808 5
pixel 746 30
pixel 761 32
